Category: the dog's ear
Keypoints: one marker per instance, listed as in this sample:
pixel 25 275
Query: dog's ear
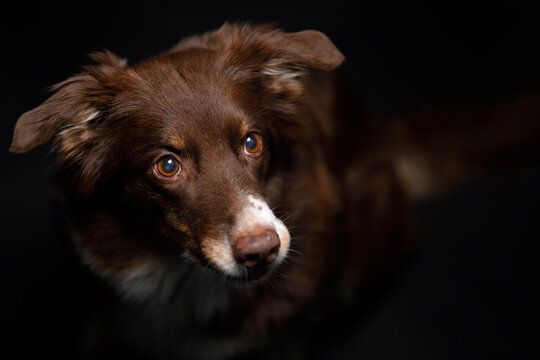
pixel 66 106
pixel 266 49
pixel 76 101
pixel 309 48
pixel 296 53
pixel 292 56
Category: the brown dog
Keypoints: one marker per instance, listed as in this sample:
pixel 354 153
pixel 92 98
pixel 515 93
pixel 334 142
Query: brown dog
pixel 220 187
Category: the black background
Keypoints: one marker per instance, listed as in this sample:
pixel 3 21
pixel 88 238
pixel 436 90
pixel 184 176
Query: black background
pixel 468 292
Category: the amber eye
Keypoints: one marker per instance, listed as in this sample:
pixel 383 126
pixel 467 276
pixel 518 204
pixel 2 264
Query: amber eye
pixel 252 143
pixel 167 166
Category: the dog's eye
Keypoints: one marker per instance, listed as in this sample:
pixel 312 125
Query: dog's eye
pixel 252 143
pixel 167 166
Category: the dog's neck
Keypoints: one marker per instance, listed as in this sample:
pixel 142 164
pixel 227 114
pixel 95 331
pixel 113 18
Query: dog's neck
pixel 183 289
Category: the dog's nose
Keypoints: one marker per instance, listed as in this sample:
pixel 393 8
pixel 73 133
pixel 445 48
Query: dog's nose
pixel 257 250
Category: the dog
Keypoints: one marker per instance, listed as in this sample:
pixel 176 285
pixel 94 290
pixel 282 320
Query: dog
pixel 226 190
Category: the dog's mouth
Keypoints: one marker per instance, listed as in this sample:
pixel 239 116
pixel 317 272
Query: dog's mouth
pixel 257 273
pixel 250 276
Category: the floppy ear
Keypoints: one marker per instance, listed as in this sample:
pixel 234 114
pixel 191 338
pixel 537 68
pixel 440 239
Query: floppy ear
pixel 294 55
pixel 37 126
pixel 73 115
pixel 272 51
pixel 76 101
pixel 309 48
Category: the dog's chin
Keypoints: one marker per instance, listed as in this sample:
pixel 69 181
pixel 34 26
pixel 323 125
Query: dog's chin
pixel 250 277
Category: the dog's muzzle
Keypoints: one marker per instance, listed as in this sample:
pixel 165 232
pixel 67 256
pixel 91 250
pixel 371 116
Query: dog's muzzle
pixel 257 243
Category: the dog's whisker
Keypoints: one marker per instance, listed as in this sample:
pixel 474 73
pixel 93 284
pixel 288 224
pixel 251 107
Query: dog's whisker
pixel 295 240
pixel 286 218
pixel 296 228
pixel 294 251
pixel 281 275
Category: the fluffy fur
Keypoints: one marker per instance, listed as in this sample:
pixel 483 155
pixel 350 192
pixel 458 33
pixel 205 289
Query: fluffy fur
pixel 322 181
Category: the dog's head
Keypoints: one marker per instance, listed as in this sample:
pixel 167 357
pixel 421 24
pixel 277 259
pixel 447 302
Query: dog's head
pixel 177 150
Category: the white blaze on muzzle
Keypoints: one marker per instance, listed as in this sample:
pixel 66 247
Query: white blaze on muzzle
pixel 253 218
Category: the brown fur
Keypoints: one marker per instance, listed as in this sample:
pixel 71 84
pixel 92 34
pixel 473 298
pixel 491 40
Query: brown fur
pixel 334 186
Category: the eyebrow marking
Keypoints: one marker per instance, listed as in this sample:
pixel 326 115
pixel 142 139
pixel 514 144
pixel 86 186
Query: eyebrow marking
pixel 176 141
pixel 244 127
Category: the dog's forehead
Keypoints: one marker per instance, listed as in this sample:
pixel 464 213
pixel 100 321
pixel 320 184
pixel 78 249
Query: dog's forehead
pixel 189 94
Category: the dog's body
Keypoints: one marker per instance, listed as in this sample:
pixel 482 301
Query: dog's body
pixel 219 189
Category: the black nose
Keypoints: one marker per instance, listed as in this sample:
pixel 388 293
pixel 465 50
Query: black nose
pixel 257 250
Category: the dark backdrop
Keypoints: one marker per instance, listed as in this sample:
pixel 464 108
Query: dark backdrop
pixel 467 293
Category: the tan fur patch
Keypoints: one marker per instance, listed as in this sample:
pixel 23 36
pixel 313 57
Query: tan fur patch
pixel 244 126
pixel 219 252
pixel 176 141
pixel 177 224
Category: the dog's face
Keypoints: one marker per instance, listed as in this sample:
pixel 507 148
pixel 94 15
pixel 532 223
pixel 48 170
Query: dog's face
pixel 188 139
